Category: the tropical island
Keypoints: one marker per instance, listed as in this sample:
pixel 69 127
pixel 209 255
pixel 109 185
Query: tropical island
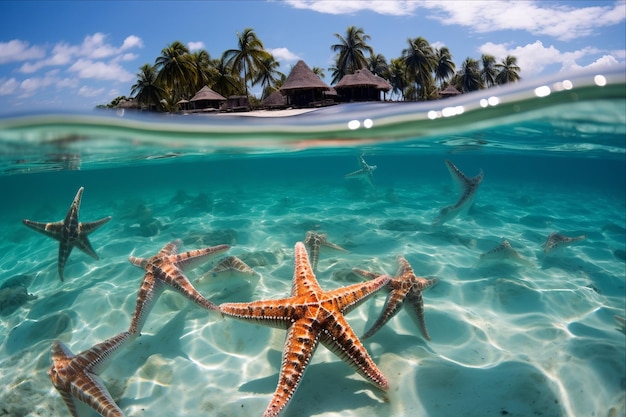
pixel 182 80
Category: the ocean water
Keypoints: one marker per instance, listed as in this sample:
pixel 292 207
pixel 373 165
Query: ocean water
pixel 536 336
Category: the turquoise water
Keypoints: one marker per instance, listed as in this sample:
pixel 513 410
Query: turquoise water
pixel 538 337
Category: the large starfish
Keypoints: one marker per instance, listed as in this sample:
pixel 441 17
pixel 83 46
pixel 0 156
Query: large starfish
pixel 69 232
pixel 405 286
pixel 76 376
pixel 366 171
pixel 311 315
pixel 469 186
pixel 166 268
pixel 313 242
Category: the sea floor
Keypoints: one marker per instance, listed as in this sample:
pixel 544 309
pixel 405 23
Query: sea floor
pixel 515 339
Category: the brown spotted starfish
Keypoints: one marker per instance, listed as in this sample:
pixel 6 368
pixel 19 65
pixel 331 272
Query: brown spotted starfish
pixel 76 376
pixel 313 242
pixel 311 315
pixel 557 240
pixel 230 264
pixel 405 286
pixel 69 232
pixel 469 186
pixel 166 268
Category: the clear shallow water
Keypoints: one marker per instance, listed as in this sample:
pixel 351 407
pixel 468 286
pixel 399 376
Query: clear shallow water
pixel 507 339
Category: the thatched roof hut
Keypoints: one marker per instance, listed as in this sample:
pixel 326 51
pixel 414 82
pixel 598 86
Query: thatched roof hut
pixel 275 101
pixel 303 87
pixel 362 86
pixel 127 104
pixel 449 91
pixel 207 99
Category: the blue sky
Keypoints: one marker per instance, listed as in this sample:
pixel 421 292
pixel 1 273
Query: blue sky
pixel 74 55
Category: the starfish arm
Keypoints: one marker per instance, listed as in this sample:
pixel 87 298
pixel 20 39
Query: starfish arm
pixel 300 345
pixel 415 308
pixel 352 296
pixel 84 245
pixel 53 230
pixel 173 277
pixel 366 274
pixel 191 259
pixel 274 313
pixel 304 281
pixel 65 248
pixel 147 295
pixel 340 339
pixel 88 227
pixel 334 246
pixel 92 391
pixel 456 173
pixel 393 303
pixel 96 359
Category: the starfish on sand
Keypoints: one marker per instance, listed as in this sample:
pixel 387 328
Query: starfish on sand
pixel 312 315
pixel 69 232
pixel 76 376
pixel 405 286
pixel 166 268
pixel 313 242
pixel 557 240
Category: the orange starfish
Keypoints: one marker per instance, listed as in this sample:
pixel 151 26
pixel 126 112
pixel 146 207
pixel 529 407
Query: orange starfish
pixel 404 286
pixel 166 267
pixel 69 232
pixel 76 376
pixel 312 315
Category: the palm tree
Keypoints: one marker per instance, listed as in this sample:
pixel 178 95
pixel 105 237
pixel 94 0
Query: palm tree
pixel 268 75
pixel 396 75
pixel 377 64
pixel 508 71
pixel 318 71
pixel 248 58
pixel 488 72
pixel 177 72
pixel 225 82
pixel 201 61
pixel 146 90
pixel 444 68
pixel 350 50
pixel 470 79
pixel 420 61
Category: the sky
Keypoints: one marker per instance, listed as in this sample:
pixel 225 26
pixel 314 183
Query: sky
pixel 74 55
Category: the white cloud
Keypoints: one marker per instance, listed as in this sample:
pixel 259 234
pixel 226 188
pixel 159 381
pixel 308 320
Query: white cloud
pixel 535 57
pixel 86 68
pixel 553 19
pixel 194 46
pixel 86 91
pixel 130 42
pixel 283 54
pixel 8 86
pixel 386 7
pixel 18 50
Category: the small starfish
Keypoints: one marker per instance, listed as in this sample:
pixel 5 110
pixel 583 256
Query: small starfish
pixel 557 240
pixel 469 186
pixel 69 232
pixel 76 376
pixel 405 286
pixel 504 252
pixel 166 268
pixel 313 242
pixel 232 263
pixel 366 171
pixel 311 315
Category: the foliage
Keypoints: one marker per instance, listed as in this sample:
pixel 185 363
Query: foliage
pixel 417 74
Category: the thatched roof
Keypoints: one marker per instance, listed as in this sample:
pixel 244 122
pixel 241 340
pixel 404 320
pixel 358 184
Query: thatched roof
pixel 127 104
pixel 449 91
pixel 276 99
pixel 206 93
pixel 302 77
pixel 363 78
